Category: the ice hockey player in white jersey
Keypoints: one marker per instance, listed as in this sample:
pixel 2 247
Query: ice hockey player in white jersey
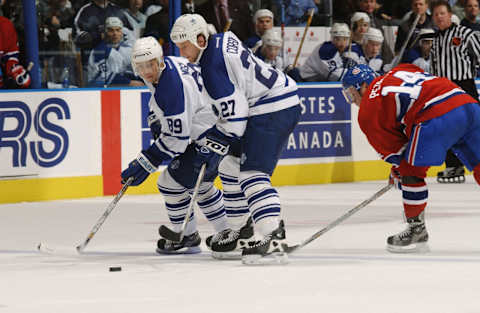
pixel 255 104
pixel 369 52
pixel 327 61
pixel 269 50
pixel 109 62
pixel 179 117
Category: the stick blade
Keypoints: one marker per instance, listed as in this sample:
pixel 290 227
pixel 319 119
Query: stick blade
pixel 169 234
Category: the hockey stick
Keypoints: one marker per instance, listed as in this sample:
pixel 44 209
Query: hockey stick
pixel 349 213
pixel 310 16
pixel 227 25
pixel 169 234
pixel 107 212
pixel 398 58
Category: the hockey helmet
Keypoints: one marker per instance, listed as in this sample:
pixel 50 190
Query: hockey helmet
pixel 188 27
pixel 373 34
pixel 354 78
pixel 340 30
pixel 272 38
pixel 146 49
pixel 262 13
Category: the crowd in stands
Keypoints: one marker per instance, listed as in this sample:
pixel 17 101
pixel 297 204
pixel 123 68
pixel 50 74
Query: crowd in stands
pixel 87 43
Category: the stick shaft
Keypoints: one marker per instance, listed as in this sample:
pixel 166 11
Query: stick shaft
pixel 107 212
pixel 310 16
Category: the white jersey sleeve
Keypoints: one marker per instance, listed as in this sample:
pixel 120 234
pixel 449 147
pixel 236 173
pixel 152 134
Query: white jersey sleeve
pixel 241 85
pixel 324 64
pixel 178 103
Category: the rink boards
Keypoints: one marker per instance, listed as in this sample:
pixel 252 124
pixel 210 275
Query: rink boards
pixel 73 143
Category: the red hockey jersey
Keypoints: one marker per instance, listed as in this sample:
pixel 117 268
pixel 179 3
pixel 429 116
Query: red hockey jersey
pixel 8 47
pixel 404 97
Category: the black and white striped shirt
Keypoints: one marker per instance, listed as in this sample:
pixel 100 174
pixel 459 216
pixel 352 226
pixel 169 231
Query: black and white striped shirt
pixel 455 52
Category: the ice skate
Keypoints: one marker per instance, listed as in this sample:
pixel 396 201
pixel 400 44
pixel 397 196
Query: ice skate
pixel 451 175
pixel 270 250
pixel 413 239
pixel 229 243
pixel 189 245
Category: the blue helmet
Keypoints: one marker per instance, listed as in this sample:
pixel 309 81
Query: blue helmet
pixel 357 75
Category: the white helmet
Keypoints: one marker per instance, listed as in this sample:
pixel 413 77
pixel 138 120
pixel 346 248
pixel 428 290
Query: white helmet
pixel 188 27
pixel 272 38
pixel 262 13
pixel 373 34
pixel 146 49
pixel 360 16
pixel 340 30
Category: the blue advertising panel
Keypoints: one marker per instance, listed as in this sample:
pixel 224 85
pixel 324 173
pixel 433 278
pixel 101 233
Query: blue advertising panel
pixel 325 127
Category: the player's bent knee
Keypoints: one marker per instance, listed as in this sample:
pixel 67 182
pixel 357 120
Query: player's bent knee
pixel 409 180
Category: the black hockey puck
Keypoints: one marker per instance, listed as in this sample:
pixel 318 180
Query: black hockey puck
pixel 115 269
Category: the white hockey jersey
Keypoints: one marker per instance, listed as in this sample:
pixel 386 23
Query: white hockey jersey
pixel 179 105
pixel 109 65
pixel 324 64
pixel 241 85
pixel 359 57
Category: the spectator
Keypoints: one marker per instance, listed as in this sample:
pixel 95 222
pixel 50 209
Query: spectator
pixel 420 56
pixel 458 9
pixel 154 7
pixel 218 12
pixel 270 48
pixel 360 22
pixel 296 12
pixel 455 51
pixel 136 18
pixel 342 10
pixel 377 20
pixel 419 7
pixel 263 20
pixel 12 73
pixel 471 14
pixel 109 63
pixel 369 52
pixel 327 62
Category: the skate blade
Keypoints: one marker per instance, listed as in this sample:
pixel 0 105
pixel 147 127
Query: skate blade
pixel 275 258
pixel 231 255
pixel 186 250
pixel 413 248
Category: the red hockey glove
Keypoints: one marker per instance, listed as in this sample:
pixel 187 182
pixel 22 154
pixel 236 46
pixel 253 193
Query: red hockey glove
pixel 21 76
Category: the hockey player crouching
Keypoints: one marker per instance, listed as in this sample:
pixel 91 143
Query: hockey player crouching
pixel 411 119
pixel 254 103
pixel 178 116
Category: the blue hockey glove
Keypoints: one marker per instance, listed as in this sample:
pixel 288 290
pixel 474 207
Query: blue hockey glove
pixel 204 155
pixel 154 124
pixel 145 164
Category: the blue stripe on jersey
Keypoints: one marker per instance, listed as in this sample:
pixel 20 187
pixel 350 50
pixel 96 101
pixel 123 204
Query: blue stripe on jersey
pixel 169 90
pixel 238 119
pixel 405 102
pixel 214 71
pixel 177 137
pixel 274 99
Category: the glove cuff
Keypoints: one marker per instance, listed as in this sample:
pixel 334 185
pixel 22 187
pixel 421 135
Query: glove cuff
pixel 144 161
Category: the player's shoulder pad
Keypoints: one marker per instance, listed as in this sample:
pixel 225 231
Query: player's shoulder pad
pixel 101 52
pixel 214 70
pixel 357 49
pixel 327 50
pixel 169 93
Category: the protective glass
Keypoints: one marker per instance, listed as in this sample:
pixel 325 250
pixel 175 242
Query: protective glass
pixel 349 94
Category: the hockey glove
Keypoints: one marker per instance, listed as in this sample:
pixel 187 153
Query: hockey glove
pixel 204 155
pixel 395 178
pixel 19 75
pixel 146 163
pixel 154 124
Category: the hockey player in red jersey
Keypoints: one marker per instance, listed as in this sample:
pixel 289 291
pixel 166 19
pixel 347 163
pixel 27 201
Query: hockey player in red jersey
pixel 9 63
pixel 411 118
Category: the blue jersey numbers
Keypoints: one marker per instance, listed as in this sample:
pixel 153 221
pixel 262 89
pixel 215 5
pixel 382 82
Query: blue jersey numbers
pixel 247 59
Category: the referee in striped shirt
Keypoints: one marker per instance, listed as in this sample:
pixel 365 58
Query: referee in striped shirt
pixel 454 55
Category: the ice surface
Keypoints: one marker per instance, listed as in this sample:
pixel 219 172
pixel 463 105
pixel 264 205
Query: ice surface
pixel 346 270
